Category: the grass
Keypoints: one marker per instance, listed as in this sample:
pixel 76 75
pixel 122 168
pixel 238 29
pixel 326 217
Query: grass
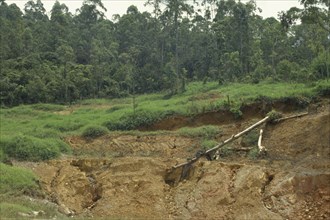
pixel 46 122
pixel 94 131
pixel 14 207
pixel 17 181
pixel 207 131
pixel 36 132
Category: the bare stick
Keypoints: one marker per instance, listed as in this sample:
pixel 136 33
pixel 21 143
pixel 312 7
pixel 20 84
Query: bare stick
pixel 292 116
pixel 234 137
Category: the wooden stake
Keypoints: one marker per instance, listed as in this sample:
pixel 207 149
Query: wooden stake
pixel 261 148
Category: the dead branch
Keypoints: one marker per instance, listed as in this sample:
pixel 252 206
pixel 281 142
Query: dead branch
pixel 292 116
pixel 232 138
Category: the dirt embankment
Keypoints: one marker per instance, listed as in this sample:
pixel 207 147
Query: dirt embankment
pixel 129 176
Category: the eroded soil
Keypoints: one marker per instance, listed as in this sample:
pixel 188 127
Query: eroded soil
pixel 130 176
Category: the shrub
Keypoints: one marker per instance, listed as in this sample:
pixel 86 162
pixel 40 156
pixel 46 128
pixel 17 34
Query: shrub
pixel 236 112
pixel 30 148
pixel 274 115
pixel 94 131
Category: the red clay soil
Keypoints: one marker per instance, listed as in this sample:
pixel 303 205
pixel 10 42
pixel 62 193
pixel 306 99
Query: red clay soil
pixel 131 177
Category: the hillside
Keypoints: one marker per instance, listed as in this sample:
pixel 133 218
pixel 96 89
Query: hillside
pixel 83 169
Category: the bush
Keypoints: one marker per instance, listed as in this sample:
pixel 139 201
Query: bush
pixel 319 67
pixel 16 180
pixel 274 115
pixel 94 131
pixel 236 112
pixel 33 149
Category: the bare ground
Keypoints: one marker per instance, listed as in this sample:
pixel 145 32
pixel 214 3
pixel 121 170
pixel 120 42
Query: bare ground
pixel 129 176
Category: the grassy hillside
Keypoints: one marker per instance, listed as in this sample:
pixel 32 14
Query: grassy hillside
pixel 35 132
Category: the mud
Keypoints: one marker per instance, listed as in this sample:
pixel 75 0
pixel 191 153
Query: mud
pixel 130 176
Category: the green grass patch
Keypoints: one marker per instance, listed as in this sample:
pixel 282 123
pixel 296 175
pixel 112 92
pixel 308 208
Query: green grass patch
pixel 94 131
pixel 132 121
pixel 11 207
pixel 17 181
pixel 207 131
pixel 65 126
pixel 208 144
pixel 29 148
pixel 48 107
pixel 41 122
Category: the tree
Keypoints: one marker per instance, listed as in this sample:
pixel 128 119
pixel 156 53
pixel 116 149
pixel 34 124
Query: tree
pixel 173 12
pixel 65 56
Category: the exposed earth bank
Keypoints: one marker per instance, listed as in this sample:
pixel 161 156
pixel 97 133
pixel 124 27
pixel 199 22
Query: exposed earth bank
pixel 130 176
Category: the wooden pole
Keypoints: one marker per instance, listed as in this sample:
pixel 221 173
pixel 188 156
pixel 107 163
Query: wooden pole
pixel 232 138
pixel 261 148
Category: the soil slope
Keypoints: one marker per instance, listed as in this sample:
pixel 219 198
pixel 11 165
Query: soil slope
pixel 129 176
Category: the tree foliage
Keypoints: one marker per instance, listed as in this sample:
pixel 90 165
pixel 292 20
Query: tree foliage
pixel 66 57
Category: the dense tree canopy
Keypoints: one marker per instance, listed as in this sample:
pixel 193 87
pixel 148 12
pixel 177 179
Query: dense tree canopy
pixel 64 57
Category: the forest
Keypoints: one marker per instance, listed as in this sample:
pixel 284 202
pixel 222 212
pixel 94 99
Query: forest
pixel 65 57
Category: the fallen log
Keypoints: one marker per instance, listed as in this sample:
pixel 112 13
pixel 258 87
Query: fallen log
pixel 289 117
pixel 232 138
